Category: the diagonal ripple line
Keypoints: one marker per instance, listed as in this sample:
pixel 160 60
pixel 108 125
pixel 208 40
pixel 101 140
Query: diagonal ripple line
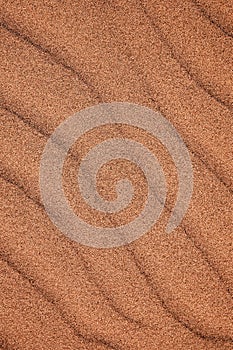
pixel 68 132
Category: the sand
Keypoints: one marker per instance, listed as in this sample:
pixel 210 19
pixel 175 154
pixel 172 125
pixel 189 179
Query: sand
pixel 161 291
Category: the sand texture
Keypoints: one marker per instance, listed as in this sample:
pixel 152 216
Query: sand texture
pixel 161 292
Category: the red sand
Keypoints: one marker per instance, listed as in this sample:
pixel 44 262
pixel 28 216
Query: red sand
pixel 162 291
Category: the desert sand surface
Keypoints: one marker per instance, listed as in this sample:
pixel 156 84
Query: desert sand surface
pixel 162 291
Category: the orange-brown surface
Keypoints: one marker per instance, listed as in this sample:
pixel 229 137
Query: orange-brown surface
pixel 162 291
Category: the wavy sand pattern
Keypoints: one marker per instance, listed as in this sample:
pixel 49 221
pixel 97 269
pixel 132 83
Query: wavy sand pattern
pixel 161 291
